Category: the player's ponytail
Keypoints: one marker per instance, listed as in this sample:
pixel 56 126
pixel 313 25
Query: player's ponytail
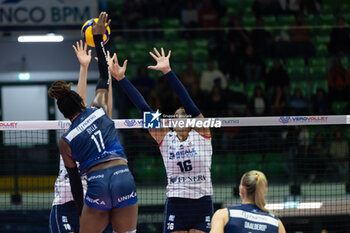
pixel 255 183
pixel 69 102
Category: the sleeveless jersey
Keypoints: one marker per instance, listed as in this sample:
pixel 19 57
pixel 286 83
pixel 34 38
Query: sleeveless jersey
pixel 248 218
pixel 187 165
pixel 93 139
pixel 63 192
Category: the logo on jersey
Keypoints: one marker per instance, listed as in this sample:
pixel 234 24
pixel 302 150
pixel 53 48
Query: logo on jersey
pixel 171 156
pixel 64 219
pixel 127 197
pixel 95 201
pixel 207 218
pixel 96 177
pixel 183 153
pixel 151 120
pixel 186 179
pixel 171 218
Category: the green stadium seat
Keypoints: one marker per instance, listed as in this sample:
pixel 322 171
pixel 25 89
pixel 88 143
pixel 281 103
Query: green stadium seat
pixel 340 107
pixel 250 87
pixel 160 44
pixel 178 67
pixel 302 85
pixel 345 62
pixel 327 19
pixel 295 62
pixel 345 8
pixel 327 9
pixel 318 72
pixel 318 61
pixel 311 20
pixel 171 23
pixel 180 44
pixel 200 54
pixel 247 10
pixel 224 167
pixel 252 162
pixel 229 3
pixel 201 43
pixel 139 56
pixel 149 22
pixel 122 55
pixel 268 64
pixel 131 71
pixel 236 87
pixel 149 168
pixel 286 20
pixel 269 20
pixel 171 28
pixel 273 164
pixel 139 45
pixel 179 55
pixel 321 49
pixel 323 31
pixel 296 72
pixel 346 17
pixel 319 84
pixel 249 21
pixel 120 45
pixel 233 10
pixel 224 21
pixel 322 39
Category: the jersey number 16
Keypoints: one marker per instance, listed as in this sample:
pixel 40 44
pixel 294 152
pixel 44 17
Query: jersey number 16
pixel 185 166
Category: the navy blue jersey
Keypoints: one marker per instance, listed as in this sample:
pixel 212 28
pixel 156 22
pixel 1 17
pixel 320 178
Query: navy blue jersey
pixel 93 139
pixel 249 218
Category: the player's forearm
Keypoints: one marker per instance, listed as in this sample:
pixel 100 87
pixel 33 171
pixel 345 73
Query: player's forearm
pixel 76 187
pixel 188 104
pixel 81 87
pixel 102 57
pixel 134 95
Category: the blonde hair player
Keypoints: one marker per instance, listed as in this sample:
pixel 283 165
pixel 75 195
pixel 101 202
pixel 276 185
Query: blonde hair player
pixel 92 141
pixel 64 215
pixel 186 152
pixel 251 215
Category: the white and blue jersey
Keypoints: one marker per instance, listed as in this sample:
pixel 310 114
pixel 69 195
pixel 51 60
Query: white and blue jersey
pixel 63 192
pixel 249 218
pixel 93 139
pixel 187 165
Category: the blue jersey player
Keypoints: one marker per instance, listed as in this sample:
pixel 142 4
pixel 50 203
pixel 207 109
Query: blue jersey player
pixel 251 216
pixel 64 216
pixel 92 141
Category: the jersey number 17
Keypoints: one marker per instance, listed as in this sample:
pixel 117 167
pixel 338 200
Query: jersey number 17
pixel 98 139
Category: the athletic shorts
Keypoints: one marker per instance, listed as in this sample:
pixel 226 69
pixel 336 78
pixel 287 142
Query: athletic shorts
pixel 112 187
pixel 182 214
pixel 64 218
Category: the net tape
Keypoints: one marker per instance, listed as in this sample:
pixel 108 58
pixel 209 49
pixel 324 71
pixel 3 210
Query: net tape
pixel 190 122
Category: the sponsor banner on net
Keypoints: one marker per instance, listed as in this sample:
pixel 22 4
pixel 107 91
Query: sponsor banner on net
pixel 303 119
pixel 8 124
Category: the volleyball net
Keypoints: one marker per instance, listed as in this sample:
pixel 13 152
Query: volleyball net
pixel 305 159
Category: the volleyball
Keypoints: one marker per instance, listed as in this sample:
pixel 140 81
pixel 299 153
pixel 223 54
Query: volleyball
pixel 86 33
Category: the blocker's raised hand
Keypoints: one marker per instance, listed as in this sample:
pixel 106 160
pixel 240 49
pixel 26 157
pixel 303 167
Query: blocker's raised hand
pixel 117 71
pixel 83 55
pixel 163 63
